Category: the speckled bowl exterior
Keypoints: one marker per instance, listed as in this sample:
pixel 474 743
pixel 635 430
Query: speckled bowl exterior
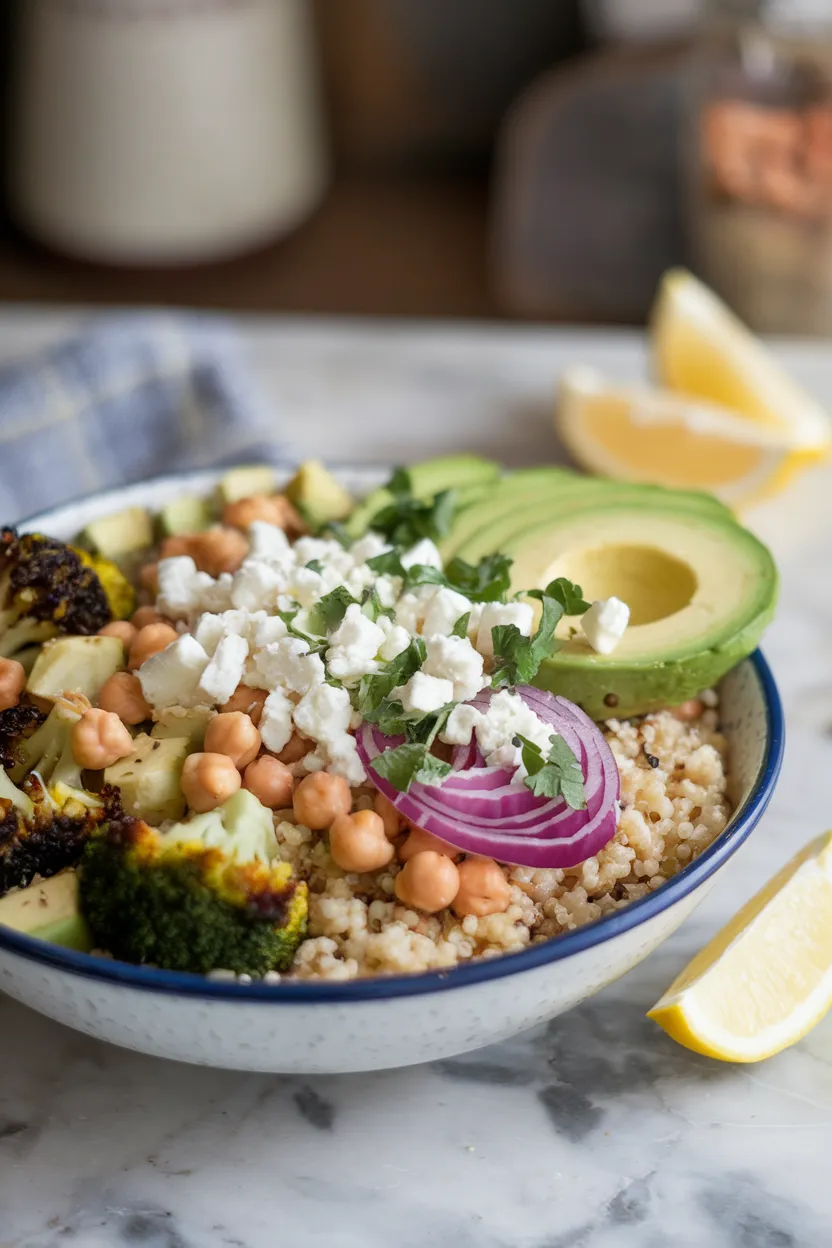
pixel 320 1028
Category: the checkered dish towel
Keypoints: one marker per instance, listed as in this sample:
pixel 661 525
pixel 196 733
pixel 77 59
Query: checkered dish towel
pixel 129 397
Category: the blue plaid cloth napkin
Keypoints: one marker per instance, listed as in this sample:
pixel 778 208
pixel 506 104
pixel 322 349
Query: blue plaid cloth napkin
pixel 131 396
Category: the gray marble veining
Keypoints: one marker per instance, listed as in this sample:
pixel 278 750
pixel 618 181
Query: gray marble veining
pixel 595 1131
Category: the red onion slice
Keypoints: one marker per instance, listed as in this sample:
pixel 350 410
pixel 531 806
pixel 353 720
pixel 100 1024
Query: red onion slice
pixel 486 810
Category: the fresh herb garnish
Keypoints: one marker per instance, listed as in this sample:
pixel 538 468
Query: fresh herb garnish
pixel 557 775
pixel 375 688
pixel 517 658
pixel 569 595
pixel 406 520
pixel 314 565
pixel 386 564
pixel 486 581
pixel 409 763
pixel 460 629
pixel 330 610
pixel 372 606
pixel 335 530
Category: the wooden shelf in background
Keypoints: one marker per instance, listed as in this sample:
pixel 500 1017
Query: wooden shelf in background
pixel 376 246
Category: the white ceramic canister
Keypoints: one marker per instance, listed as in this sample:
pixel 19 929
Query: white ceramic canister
pixel 165 131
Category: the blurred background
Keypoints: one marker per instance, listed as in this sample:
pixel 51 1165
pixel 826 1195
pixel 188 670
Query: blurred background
pixel 544 159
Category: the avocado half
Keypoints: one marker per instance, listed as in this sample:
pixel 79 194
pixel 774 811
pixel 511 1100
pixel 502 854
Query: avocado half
pixel 701 588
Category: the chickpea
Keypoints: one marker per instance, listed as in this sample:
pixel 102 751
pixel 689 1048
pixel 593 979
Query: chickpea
pixel 122 695
pixel 429 882
pixel 232 733
pixel 689 710
pixel 176 544
pixel 208 780
pixel 392 820
pixel 320 798
pixel 12 683
pixel 99 739
pixel 271 782
pixel 272 509
pixel 218 550
pixel 358 842
pixel 249 701
pixel 149 641
pixel 123 629
pixel 483 889
pixel 419 840
pixel 296 748
pixel 146 615
pixel 149 577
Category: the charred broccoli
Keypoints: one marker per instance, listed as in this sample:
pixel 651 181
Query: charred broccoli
pixel 46 815
pixel 205 894
pixel 47 588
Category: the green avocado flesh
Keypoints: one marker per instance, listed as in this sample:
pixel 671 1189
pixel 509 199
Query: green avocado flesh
pixel 700 588
pixel 48 909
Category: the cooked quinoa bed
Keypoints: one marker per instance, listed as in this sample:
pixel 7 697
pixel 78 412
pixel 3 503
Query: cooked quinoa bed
pixel 671 810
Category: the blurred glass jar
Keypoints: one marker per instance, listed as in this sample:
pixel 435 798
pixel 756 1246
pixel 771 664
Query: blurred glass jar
pixel 157 132
pixel 759 186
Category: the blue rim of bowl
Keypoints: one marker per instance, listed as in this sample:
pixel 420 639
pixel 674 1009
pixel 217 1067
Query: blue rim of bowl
pixel 149 979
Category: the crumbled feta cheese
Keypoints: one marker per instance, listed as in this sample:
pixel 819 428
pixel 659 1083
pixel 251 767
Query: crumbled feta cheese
pixel 424 553
pixel 423 694
pixel 309 586
pixel 288 664
pixel 217 596
pixel 521 614
pixel 225 670
pixel 265 629
pixel 181 586
pixel 327 552
pixel 508 715
pixel 370 546
pixel 396 639
pixel 171 677
pixel 460 725
pixel 412 607
pixel 276 720
pixel 445 609
pixel 211 627
pixel 256 585
pixel 358 579
pixel 324 713
pixel 605 623
pixel 344 760
pixel 388 589
pixel 354 645
pixel 455 659
pixel 268 541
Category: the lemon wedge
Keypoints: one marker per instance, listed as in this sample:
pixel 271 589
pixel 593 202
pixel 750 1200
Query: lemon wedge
pixel 637 434
pixel 701 349
pixel 766 978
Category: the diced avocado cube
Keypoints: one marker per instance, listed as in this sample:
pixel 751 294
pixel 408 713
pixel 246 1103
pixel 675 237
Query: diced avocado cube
pixel 75 665
pixel 185 515
pixel 177 721
pixel 150 779
pixel 49 910
pixel 121 533
pixel 246 482
pixel 317 495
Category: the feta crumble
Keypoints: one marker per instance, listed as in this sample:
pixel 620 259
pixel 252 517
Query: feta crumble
pixel 605 623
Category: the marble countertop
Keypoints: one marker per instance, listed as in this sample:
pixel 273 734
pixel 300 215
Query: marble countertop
pixel 592 1132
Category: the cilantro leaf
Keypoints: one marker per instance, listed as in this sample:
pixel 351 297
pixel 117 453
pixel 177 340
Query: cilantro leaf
pixel 460 629
pixel 423 574
pixel 330 610
pixel 517 658
pixel 486 581
pixel 400 483
pixel 386 564
pixel 373 689
pixel 408 763
pixel 557 775
pixel 314 565
pixel 569 595
pixel 372 606
pixel 335 531
pixel 406 520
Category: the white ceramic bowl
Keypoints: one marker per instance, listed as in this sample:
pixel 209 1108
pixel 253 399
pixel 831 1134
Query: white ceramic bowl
pixel 321 1028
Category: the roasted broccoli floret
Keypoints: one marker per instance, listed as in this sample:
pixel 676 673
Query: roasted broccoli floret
pixel 36 838
pixel 47 588
pixel 205 894
pixel 47 752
